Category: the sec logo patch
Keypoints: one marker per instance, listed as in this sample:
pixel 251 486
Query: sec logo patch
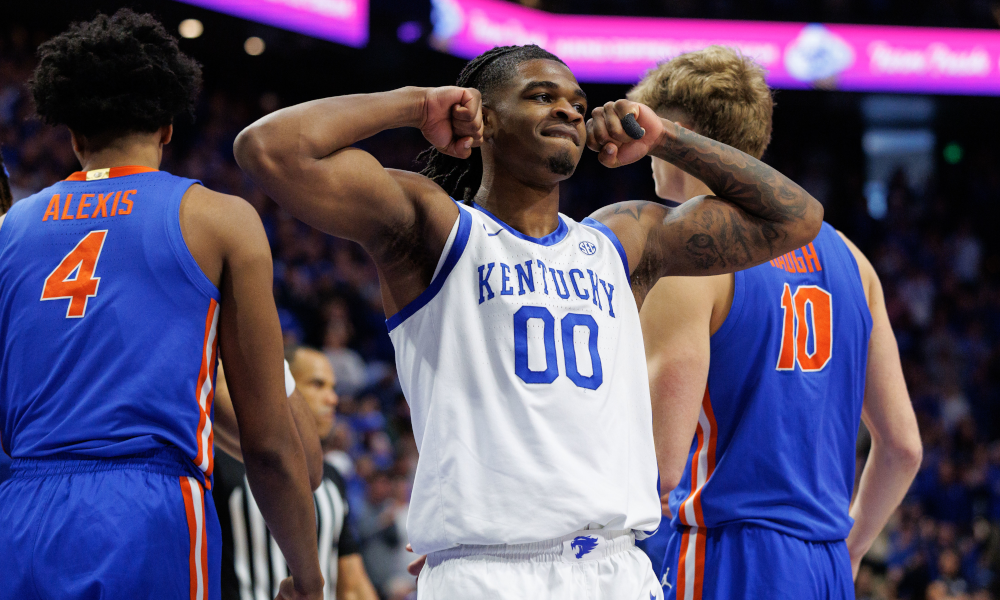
pixel 588 248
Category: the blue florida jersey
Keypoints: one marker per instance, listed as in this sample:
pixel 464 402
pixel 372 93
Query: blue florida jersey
pixel 107 323
pixel 775 442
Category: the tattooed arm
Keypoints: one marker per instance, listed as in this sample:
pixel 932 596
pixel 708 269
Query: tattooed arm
pixel 755 215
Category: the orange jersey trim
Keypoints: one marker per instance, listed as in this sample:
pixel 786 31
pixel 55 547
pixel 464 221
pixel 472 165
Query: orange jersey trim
pixel 702 464
pixel 194 506
pixel 205 394
pixel 691 564
pixel 110 173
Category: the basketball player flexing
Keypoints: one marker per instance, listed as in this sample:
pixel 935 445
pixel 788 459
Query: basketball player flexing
pixel 768 371
pixel 516 342
pixel 118 287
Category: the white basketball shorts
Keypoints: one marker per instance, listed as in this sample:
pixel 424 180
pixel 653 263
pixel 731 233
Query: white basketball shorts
pixel 586 565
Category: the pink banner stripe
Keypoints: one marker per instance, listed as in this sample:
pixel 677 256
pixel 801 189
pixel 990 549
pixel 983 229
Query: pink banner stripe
pixel 796 55
pixel 342 21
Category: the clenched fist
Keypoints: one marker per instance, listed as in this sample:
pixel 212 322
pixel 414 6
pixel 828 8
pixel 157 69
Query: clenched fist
pixel 453 120
pixel 606 136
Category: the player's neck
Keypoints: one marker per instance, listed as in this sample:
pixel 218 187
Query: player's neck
pixel 107 158
pixel 683 188
pixel 135 150
pixel 528 208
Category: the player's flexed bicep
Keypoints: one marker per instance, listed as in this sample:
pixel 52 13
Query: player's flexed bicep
pixel 757 213
pixel 302 157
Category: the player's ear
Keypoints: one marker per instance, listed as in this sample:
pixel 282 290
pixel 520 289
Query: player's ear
pixel 166 134
pixel 489 123
pixel 78 142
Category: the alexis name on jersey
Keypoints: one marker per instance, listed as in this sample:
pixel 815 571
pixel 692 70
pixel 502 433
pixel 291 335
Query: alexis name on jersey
pixel 586 287
pixel 89 206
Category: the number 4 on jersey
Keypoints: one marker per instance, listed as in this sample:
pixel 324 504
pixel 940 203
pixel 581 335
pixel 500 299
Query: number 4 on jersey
pixel 80 264
pixel 795 340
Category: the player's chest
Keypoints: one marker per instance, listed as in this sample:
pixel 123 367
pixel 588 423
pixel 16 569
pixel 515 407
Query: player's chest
pixel 503 275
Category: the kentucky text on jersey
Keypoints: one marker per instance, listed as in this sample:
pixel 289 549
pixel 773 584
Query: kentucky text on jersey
pixel 586 287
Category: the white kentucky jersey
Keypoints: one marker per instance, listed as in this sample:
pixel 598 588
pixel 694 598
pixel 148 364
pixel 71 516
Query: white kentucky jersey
pixel 524 368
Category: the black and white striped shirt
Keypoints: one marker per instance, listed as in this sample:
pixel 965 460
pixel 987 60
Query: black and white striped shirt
pixel 252 563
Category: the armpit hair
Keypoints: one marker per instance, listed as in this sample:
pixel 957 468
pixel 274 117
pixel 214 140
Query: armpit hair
pixel 404 248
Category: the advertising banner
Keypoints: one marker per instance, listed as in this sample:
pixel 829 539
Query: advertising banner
pixel 796 55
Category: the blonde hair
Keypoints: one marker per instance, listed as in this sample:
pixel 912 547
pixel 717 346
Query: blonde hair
pixel 721 92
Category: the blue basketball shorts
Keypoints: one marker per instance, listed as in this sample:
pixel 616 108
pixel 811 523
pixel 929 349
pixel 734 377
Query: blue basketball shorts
pixel 142 526
pixel 747 561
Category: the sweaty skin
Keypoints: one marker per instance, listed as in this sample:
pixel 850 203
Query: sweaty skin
pixel 303 158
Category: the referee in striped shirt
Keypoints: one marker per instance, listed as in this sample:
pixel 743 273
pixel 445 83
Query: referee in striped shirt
pixel 252 564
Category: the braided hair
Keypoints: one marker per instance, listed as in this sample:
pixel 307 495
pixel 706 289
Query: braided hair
pixel 487 73
pixel 6 198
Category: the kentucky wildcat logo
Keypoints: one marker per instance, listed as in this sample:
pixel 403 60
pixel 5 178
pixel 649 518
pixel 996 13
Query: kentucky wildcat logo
pixel 583 544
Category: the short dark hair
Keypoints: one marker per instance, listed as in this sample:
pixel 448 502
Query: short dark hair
pixel 6 198
pixel 487 73
pixel 115 75
pixel 291 351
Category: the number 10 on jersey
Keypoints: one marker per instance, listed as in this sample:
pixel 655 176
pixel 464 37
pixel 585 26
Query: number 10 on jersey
pixel 798 323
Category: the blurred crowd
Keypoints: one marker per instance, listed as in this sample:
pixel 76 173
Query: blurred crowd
pixel 933 252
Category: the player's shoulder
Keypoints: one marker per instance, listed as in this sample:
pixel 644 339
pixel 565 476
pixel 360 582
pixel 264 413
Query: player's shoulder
pixel 211 204
pixel 227 217
pixel 636 210
pixel 435 210
pixel 703 290
pixel 423 190
pixel 868 276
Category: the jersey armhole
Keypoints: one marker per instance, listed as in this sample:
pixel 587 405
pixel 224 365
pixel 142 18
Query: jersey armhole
pixel 181 251
pixel 594 224
pixel 4 231
pixel 735 311
pixel 7 225
pixel 858 285
pixel 457 240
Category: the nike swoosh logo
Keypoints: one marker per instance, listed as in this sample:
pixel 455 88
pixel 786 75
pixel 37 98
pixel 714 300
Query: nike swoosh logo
pixel 488 234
